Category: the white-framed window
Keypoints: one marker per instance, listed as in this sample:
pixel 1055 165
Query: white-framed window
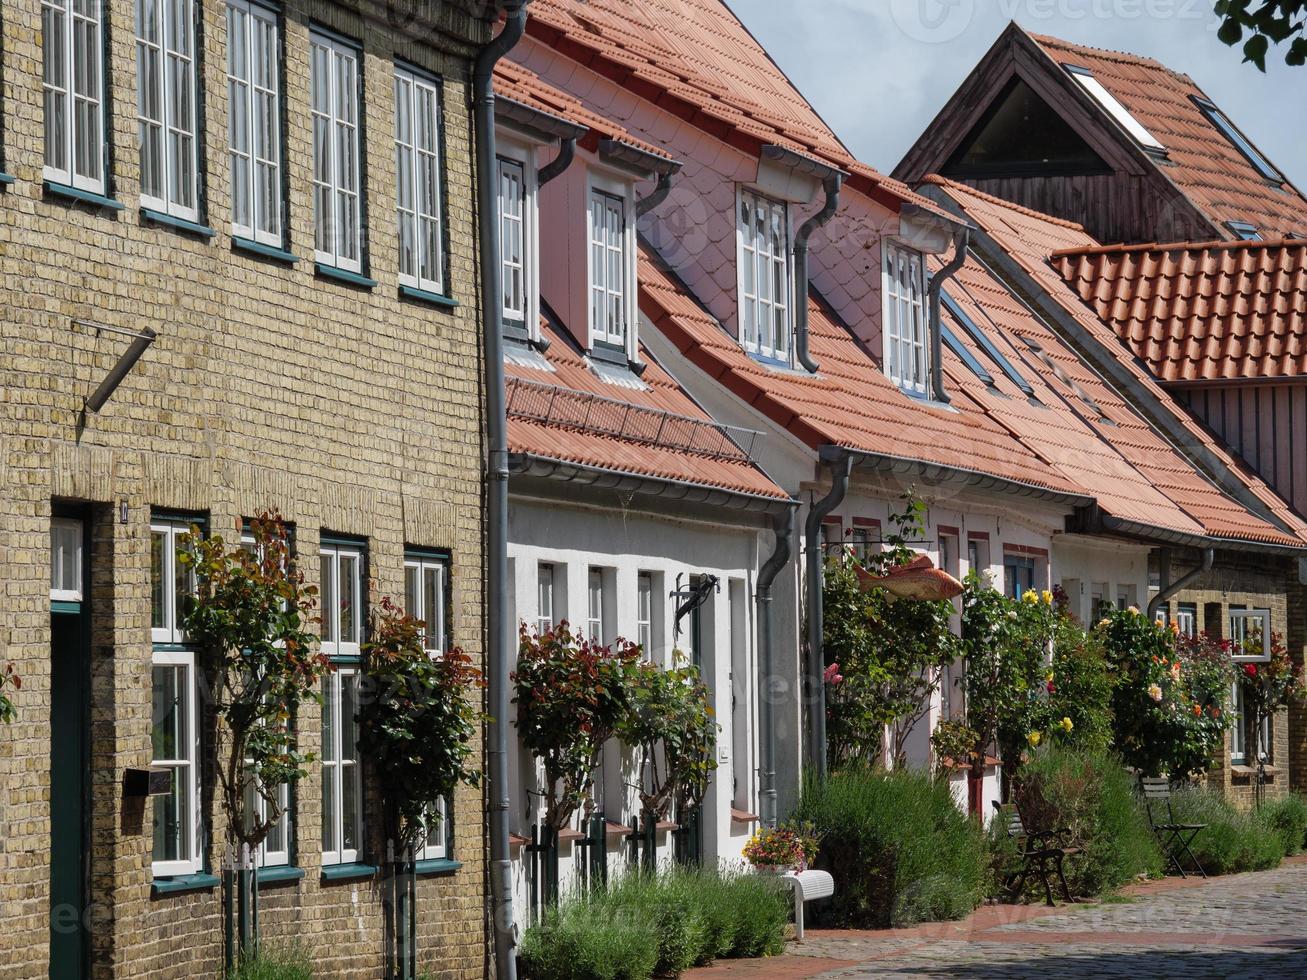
pixel 72 83
pixel 907 347
pixel 424 598
pixel 644 606
pixel 174 739
pixel 611 286
pixel 545 597
pixel 594 621
pixel 1238 724
pixel 1250 635
pixel 341 594
pixel 169 582
pixel 337 200
pixel 1113 107
pixel 167 94
pixel 766 290
pixel 254 121
pixel 418 178
pixel 1186 619
pixel 275 850
pixel 513 238
pixel 435 843
pixel 342 777
pixel 65 560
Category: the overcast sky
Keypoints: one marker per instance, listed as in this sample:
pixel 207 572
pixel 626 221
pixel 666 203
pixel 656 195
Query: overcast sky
pixel 879 70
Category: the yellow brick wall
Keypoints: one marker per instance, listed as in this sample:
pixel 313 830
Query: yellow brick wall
pixel 349 410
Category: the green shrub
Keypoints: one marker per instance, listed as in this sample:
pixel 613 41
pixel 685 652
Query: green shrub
pixel 898 846
pixel 1092 795
pixel 1232 841
pixel 657 925
pixel 1288 818
pixel 274 963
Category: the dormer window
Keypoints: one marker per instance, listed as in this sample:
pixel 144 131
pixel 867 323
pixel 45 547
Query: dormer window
pixel 765 287
pixel 611 266
pixel 1113 107
pixel 1245 231
pixel 512 240
pixel 907 344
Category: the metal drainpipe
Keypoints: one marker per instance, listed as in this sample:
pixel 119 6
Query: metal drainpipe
pixel 840 463
pixel 783 526
pixel 961 241
pixel 656 196
pixel 498 632
pixel 566 154
pixel 1209 556
pixel 832 185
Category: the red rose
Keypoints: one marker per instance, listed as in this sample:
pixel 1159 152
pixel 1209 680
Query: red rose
pixel 1250 670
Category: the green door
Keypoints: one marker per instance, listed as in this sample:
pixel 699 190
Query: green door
pixel 69 766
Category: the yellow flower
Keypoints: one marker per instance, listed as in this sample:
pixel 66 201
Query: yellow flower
pixel 1067 725
pixel 1049 677
pixel 1033 738
pixel 1135 610
pixel 1030 596
pixel 1155 692
pixel 1047 597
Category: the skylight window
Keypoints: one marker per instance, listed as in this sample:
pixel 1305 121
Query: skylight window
pixel 965 356
pixel 1246 231
pixel 985 344
pixel 1115 109
pixel 1222 122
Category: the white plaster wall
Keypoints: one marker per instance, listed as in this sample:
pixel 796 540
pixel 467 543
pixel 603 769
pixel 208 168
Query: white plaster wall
pixel 1085 565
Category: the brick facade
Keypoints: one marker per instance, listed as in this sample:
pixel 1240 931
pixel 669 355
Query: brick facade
pixel 349 409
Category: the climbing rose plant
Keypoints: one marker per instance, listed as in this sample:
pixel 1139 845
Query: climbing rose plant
pixel 571 695
pixel 250 622
pixel 418 721
pixel 8 679
pixel 1269 686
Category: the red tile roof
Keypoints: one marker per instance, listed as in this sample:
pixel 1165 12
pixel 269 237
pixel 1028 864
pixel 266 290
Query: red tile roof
pixel 1029 238
pixel 1203 163
pixel 1201 312
pixel 554 414
pixel 695 59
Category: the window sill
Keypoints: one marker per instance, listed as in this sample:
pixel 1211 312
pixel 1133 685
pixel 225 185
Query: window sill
pixel 344 275
pixel 65 606
pixel 347 872
pixel 426 296
pixel 6 179
pixel 177 884
pixel 436 866
pixel 180 224
pixel 264 251
pixel 84 197
pixel 279 873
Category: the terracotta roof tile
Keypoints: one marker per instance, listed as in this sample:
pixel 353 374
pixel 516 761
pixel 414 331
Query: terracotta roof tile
pixel 1202 162
pixel 1232 309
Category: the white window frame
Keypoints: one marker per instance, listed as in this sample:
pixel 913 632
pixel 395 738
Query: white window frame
pixel 608 191
pixel 514 264
pixel 334 766
pixel 1239 726
pixel 180 177
pixel 76 129
pixel 759 258
pixel 594 621
pixel 328 229
pixel 1239 620
pixel 644 611
pixel 546 589
pixel 338 647
pixel 410 88
pixel 1113 107
pixel 59 559
pixel 245 19
pixel 1186 619
pixel 415 603
pixel 193 863
pixel 438 851
pixel 903 285
pixel 170 631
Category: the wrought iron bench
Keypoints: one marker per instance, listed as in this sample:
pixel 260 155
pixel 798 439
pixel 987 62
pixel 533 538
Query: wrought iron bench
pixel 1040 852
pixel 1175 837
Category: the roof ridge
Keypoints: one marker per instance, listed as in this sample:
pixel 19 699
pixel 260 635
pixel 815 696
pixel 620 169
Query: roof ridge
pixel 1210 246
pixel 941 181
pixel 1111 54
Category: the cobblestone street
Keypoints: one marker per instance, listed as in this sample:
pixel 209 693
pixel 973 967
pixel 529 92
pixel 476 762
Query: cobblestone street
pixel 1251 925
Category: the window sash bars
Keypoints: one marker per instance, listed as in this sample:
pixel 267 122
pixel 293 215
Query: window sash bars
pixel 73 125
pixel 512 191
pixel 254 127
pixel 166 108
pixel 337 205
pixel 419 182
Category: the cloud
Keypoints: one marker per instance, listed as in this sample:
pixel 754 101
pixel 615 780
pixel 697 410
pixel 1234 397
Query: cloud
pixel 879 70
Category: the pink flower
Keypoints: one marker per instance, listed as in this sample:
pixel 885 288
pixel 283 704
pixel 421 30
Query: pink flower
pixel 832 675
pixel 1052 688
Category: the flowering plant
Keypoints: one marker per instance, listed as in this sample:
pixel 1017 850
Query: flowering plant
pixel 791 845
pixel 1270 685
pixel 8 679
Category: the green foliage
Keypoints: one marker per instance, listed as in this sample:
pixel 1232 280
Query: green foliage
pixel 648 925
pixel 669 722
pixel 1271 685
pixel 1080 689
pixel 886 655
pixel 1287 817
pixel 1169 700
pixel 1266 22
pixel 571 696
pixel 249 622
pixel 1091 795
pixel 418 724
pixel 1232 841
pixel 900 850
pixel 8 679
pixel 274 963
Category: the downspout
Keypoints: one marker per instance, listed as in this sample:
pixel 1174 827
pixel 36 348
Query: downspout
pixel 961 240
pixel 1209 556
pixel 498 631
pixel 832 185
pixel 840 463
pixel 566 154
pixel 656 196
pixel 783 527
